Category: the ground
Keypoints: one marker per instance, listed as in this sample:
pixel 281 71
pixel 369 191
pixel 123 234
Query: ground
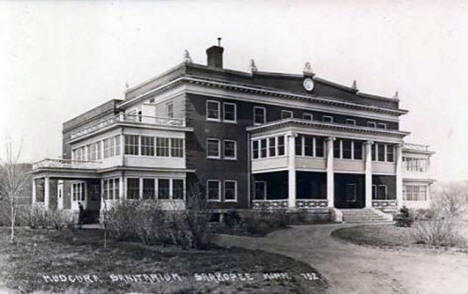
pixel 352 268
pixel 42 252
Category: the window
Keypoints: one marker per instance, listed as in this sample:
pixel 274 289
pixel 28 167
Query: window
pixel 351 122
pixel 414 192
pixel 286 114
pixel 212 150
pixel 98 150
pixel 148 188
pixel 163 189
pixel 280 145
pixel 177 147
pixel 255 149
pixel 90 154
pixel 230 113
pixel 327 119
pixel 357 149
pixel 259 115
pixel 213 190
pixel 116 189
pixel 381 126
pixel 319 146
pixel 78 192
pixel 147 146
pixel 170 110
pixel 162 146
pixel 374 151
pixel 298 145
pixel 107 147
pixel 230 151
pixel 131 144
pixel 346 149
pixel 106 189
pixel 133 188
pixel 272 147
pixel 117 145
pixel 263 148
pixel 390 153
pixel 415 164
pixel 307 116
pixel 212 110
pixel 230 191
pixel 177 189
pixel 381 152
pixel 309 146
pixel 371 124
pixel 260 190
pixel 379 192
pixel 337 149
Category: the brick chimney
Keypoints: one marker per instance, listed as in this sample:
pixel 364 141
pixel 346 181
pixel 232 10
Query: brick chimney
pixel 214 55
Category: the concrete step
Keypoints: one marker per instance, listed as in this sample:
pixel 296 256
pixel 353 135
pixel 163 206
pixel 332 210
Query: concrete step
pixel 362 216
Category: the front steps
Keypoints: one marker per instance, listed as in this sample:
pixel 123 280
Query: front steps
pixel 365 215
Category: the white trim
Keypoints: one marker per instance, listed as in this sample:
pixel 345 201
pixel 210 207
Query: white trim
pixel 235 150
pixel 264 115
pixel 219 110
pixel 208 191
pixel 235 112
pixel 219 148
pixel 235 191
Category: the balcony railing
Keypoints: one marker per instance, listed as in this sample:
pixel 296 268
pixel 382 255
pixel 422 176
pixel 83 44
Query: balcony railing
pixel 66 163
pixel 136 119
pixel 418 147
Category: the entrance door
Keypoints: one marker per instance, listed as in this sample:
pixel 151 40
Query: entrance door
pixel 349 191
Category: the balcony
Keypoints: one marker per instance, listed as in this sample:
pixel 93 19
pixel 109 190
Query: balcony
pixel 135 120
pixel 65 164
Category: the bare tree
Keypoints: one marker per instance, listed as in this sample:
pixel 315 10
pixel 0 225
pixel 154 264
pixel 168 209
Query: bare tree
pixel 14 178
pixel 451 199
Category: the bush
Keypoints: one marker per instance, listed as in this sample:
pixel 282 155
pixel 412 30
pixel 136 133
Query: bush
pixel 404 218
pixel 120 220
pixel 232 218
pixel 423 214
pixel 263 221
pixel 438 232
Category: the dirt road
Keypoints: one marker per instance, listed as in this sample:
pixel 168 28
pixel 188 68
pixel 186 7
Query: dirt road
pixel 352 268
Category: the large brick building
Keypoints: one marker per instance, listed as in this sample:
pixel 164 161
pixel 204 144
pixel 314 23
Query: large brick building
pixel 248 139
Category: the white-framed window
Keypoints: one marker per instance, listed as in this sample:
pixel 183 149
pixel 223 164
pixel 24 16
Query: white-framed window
pixel 133 188
pixel 178 189
pixel 281 148
pixel 147 146
pixel 164 189
pixel 286 114
pixel 229 112
pixel 263 148
pixel 230 149
pixel 230 190
pixel 78 192
pixel 255 149
pixel 162 146
pixel 371 124
pixel 414 192
pixel 148 188
pixel 106 189
pixel 381 125
pixel 213 110
pixel 213 190
pixel 116 188
pixel 308 116
pixel 271 146
pixel 117 145
pixel 379 192
pixel 259 114
pixel 177 147
pixel 131 144
pixel 213 148
pixel 260 190
pixel 350 121
pixel 170 109
pixel 415 164
pixel 327 118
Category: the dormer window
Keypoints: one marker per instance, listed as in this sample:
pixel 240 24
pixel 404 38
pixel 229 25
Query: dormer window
pixel 308 116
pixel 381 126
pixel 371 124
pixel 327 118
pixel 351 122
pixel 286 114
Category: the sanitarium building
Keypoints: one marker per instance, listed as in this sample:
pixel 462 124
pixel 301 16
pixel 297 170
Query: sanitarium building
pixel 247 140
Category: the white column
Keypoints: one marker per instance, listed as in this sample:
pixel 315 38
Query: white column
pixel 122 148
pixel 399 178
pixel 34 191
pixel 368 170
pixel 330 173
pixel 291 171
pixel 140 191
pixel 46 192
pixel 60 193
pixel 121 188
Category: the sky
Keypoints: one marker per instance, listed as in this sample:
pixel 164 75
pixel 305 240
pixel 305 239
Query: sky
pixel 61 58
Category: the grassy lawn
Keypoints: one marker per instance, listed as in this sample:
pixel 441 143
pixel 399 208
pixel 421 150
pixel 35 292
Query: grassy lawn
pixel 37 253
pixel 383 235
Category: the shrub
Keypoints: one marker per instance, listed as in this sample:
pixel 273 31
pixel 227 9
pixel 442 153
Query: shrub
pixel 438 232
pixel 404 218
pixel 232 218
pixel 120 220
pixel 423 214
pixel 263 221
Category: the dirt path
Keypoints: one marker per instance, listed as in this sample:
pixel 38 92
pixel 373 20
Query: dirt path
pixel 351 268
